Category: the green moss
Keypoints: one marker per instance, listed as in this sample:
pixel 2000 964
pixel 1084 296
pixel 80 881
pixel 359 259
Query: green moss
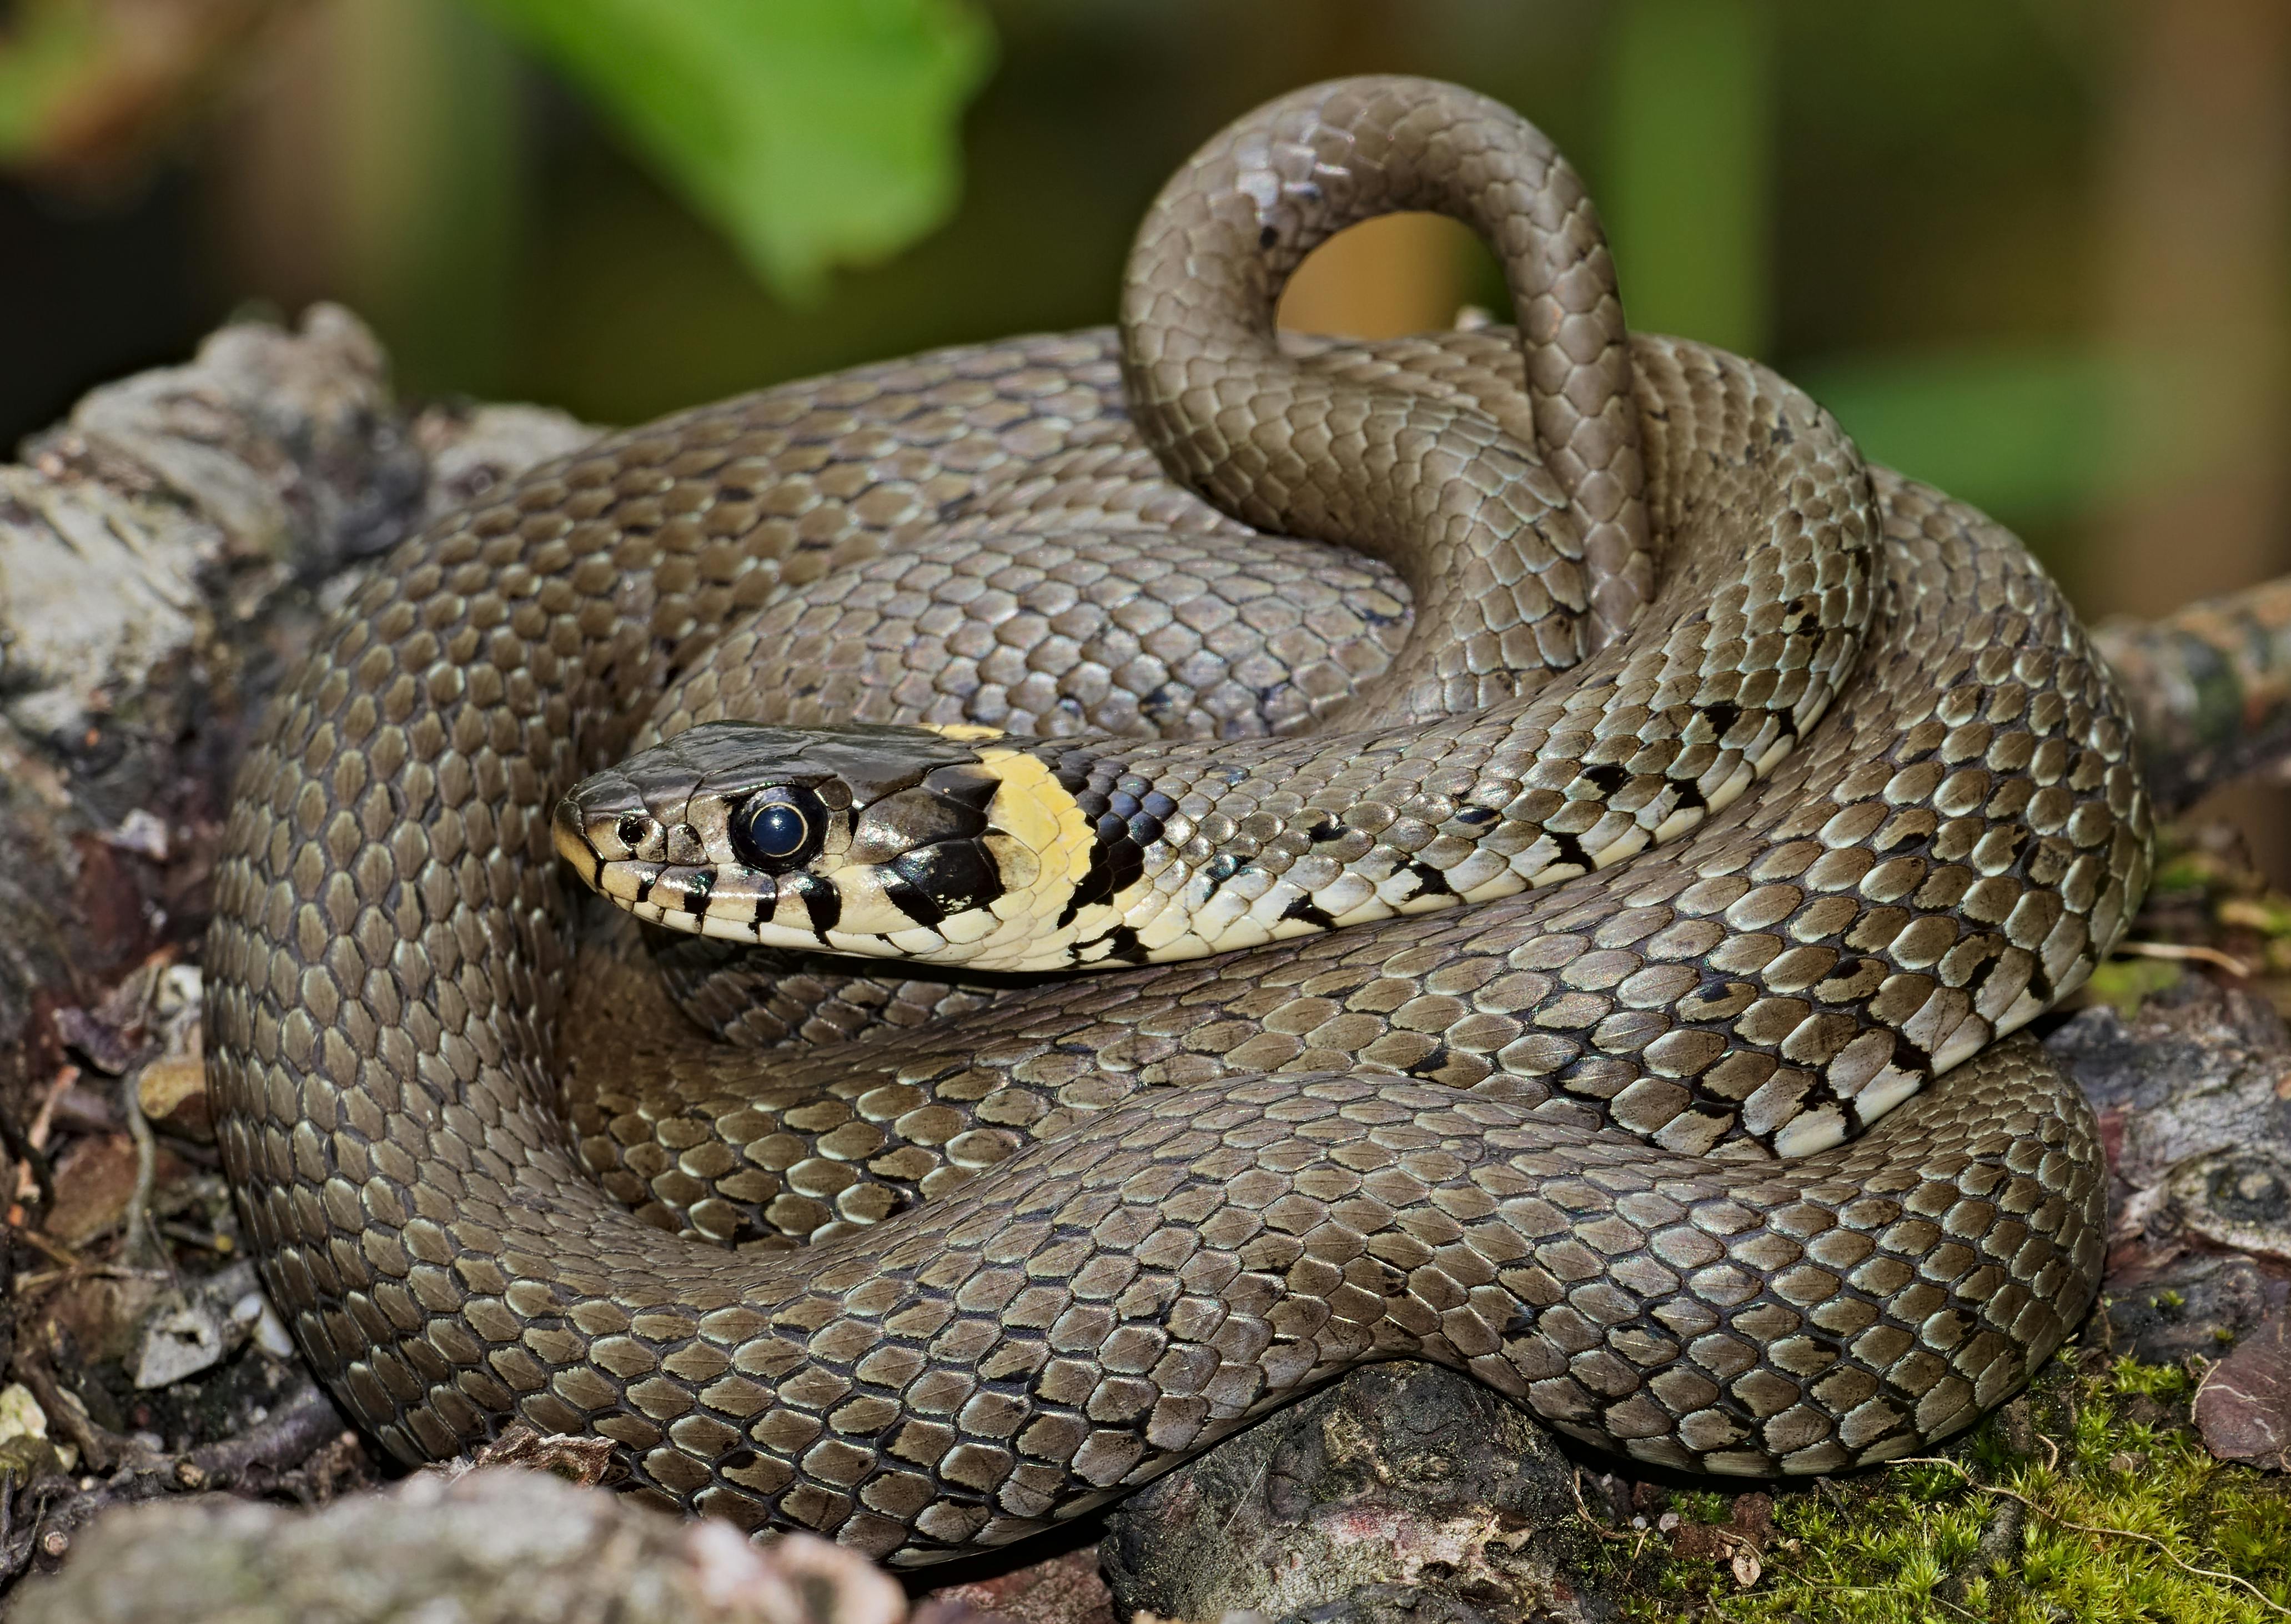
pixel 1701 1505
pixel 2127 1376
pixel 2105 1445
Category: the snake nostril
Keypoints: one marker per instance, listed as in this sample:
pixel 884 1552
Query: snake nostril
pixel 631 829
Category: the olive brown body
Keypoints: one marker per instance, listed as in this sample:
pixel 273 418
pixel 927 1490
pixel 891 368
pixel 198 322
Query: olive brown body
pixel 1845 798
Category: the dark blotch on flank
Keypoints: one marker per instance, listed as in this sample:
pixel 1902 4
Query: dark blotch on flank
pixel 1124 946
pixel 1712 996
pixel 1607 777
pixel 1431 1064
pixel 1310 912
pixel 1910 1057
pixel 1116 860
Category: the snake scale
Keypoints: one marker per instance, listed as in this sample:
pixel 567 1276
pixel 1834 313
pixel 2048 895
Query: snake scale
pixel 1486 940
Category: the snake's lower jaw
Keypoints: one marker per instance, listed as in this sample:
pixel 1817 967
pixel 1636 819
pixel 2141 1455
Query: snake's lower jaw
pixel 960 942
pixel 869 925
pixel 860 911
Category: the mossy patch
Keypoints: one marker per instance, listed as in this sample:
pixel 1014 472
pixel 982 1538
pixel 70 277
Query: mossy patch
pixel 2028 1520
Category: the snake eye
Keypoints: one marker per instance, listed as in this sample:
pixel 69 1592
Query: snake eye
pixel 778 828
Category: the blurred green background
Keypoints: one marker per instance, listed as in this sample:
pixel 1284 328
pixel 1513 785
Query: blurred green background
pixel 2035 251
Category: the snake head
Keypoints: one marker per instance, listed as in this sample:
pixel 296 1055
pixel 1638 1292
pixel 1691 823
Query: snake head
pixel 940 845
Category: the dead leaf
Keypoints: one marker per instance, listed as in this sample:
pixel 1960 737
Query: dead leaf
pixel 95 1182
pixel 1702 1542
pixel 109 1046
pixel 101 1317
pixel 1752 1515
pixel 585 1461
pixel 2244 1407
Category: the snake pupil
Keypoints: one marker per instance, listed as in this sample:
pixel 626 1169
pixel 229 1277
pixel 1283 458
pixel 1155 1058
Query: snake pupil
pixel 777 830
pixel 779 827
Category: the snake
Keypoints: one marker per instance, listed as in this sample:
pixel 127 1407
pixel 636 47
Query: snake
pixel 915 948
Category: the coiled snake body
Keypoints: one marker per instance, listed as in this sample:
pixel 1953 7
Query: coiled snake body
pixel 1858 796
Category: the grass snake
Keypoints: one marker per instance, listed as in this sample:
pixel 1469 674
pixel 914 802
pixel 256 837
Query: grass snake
pixel 1495 939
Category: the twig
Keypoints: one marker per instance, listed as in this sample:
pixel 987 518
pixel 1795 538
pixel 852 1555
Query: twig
pixel 290 1436
pixel 143 1237
pixel 2212 956
pixel 30 1145
pixel 33 1239
pixel 45 1118
pixel 2163 1550
pixel 1636 1537
pixel 267 1457
pixel 2209 687
pixel 1575 1482
pixel 221 1245
pixel 142 1234
pixel 32 1158
pixel 100 1448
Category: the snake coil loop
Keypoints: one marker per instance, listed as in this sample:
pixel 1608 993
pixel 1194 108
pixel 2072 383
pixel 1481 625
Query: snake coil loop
pixel 1599 888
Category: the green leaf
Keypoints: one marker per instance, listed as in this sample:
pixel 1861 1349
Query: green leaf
pixel 45 51
pixel 812 131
